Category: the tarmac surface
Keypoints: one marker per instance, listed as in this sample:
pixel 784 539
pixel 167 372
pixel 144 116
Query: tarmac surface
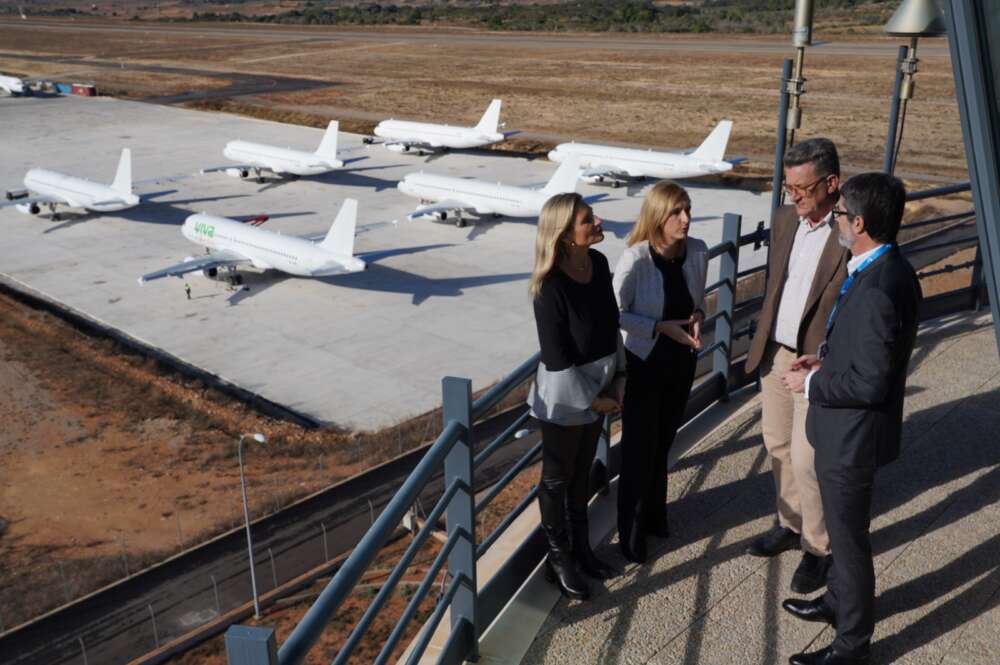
pixel 363 350
pixel 701 600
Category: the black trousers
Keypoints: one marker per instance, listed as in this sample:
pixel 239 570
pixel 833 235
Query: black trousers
pixel 846 493
pixel 656 394
pixel 567 457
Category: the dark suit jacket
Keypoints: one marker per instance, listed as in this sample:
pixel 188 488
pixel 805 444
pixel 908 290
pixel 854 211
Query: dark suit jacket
pixel 830 274
pixel 856 398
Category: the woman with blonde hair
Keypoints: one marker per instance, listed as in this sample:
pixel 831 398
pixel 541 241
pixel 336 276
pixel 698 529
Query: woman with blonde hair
pixel 581 358
pixel 660 286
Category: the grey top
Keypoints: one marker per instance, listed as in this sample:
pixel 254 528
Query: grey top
pixel 638 286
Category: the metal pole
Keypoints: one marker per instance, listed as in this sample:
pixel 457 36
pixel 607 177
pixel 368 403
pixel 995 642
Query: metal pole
pixel 326 548
pixel 246 520
pixel 83 650
pixel 215 590
pixel 156 634
pixel 779 142
pixel 726 298
pixel 274 569
pixel 371 512
pixel 795 86
pixel 457 406
pixel 890 139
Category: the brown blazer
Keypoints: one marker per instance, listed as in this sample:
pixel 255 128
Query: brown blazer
pixel 830 274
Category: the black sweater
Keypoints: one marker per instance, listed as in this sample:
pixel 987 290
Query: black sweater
pixel 577 323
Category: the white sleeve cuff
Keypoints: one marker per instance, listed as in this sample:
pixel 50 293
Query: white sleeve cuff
pixel 808 377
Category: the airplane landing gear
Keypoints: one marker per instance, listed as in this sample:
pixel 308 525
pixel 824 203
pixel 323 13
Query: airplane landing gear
pixel 460 221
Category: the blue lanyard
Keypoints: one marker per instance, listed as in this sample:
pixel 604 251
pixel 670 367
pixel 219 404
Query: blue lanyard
pixel 850 280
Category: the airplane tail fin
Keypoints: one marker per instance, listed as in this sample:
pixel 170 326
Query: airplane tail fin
pixel 123 177
pixel 713 148
pixel 340 238
pixel 328 146
pixel 565 178
pixel 490 121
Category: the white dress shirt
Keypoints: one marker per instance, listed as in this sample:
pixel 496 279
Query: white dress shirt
pixel 852 267
pixel 810 239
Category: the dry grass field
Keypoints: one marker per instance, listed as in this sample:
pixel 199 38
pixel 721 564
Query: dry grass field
pixel 645 97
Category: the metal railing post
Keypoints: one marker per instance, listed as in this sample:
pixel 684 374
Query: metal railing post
pixel 889 156
pixel 461 515
pixel 250 645
pixel 729 264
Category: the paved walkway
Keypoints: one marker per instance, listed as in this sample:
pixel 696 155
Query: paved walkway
pixel 936 535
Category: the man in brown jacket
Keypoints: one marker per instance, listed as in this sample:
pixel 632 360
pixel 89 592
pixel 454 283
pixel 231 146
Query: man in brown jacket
pixel 807 265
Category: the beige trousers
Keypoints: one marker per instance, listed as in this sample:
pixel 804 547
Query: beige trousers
pixel 784 429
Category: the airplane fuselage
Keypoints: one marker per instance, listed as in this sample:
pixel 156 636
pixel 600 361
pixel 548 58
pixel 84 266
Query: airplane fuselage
pixel 279 160
pixel 12 85
pixel 436 136
pixel 266 249
pixel 633 162
pixel 78 192
pixel 484 197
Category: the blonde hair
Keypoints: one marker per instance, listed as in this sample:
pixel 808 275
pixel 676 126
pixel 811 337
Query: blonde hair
pixel 556 218
pixel 664 197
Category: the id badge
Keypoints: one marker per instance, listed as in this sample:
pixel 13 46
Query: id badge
pixel 823 349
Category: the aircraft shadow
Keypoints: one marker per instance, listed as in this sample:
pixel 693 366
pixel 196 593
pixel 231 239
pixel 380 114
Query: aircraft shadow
pixel 147 212
pixel 348 177
pixel 376 278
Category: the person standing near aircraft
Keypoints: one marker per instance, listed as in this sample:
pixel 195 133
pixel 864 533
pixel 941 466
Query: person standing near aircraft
pixel 806 269
pixel 580 379
pixel 660 286
pixel 855 387
pixel 187 290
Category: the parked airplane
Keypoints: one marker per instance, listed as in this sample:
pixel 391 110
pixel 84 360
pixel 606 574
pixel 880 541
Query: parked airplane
pixel 451 195
pixel 258 157
pixel 51 189
pixel 616 165
pixel 234 243
pixel 12 85
pixel 422 138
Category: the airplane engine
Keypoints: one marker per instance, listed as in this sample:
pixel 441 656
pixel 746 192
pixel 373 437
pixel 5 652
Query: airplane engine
pixel 397 147
pixel 16 194
pixel 210 273
pixel 237 173
pixel 441 216
pixel 28 208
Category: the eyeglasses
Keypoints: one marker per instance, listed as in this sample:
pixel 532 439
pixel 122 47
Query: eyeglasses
pixel 802 190
pixel 845 213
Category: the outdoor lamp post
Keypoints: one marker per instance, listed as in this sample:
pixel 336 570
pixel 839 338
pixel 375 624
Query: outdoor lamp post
pixel 259 438
pixel 913 19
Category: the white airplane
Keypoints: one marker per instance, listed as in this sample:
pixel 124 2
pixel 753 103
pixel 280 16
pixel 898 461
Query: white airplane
pixel 12 85
pixel 51 189
pixel 259 157
pixel 450 195
pixel 233 243
pixel 616 165
pixel 422 138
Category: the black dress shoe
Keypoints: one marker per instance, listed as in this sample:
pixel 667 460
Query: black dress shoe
pixel 810 610
pixel 774 542
pixel 827 656
pixel 810 576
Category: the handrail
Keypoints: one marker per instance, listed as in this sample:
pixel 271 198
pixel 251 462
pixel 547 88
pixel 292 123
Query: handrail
pixel 397 572
pixel 493 396
pixel 939 191
pixel 435 619
pixel 506 522
pixel 501 440
pixel 512 473
pixel 308 630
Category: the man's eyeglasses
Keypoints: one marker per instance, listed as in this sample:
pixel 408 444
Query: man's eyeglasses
pixel 845 213
pixel 803 190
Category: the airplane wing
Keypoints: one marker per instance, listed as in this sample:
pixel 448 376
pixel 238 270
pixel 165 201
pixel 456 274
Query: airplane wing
pixel 415 143
pixel 28 200
pixel 218 260
pixel 444 207
pixel 234 167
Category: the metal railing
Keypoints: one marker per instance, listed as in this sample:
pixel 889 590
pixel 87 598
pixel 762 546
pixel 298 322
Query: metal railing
pixel 471 607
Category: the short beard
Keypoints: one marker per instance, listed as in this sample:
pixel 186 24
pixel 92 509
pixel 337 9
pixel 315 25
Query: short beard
pixel 847 242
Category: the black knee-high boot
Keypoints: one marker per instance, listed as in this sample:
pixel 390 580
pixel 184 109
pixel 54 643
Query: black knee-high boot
pixel 589 563
pixel 560 568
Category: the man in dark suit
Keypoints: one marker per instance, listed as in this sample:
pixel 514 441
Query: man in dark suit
pixel 855 390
